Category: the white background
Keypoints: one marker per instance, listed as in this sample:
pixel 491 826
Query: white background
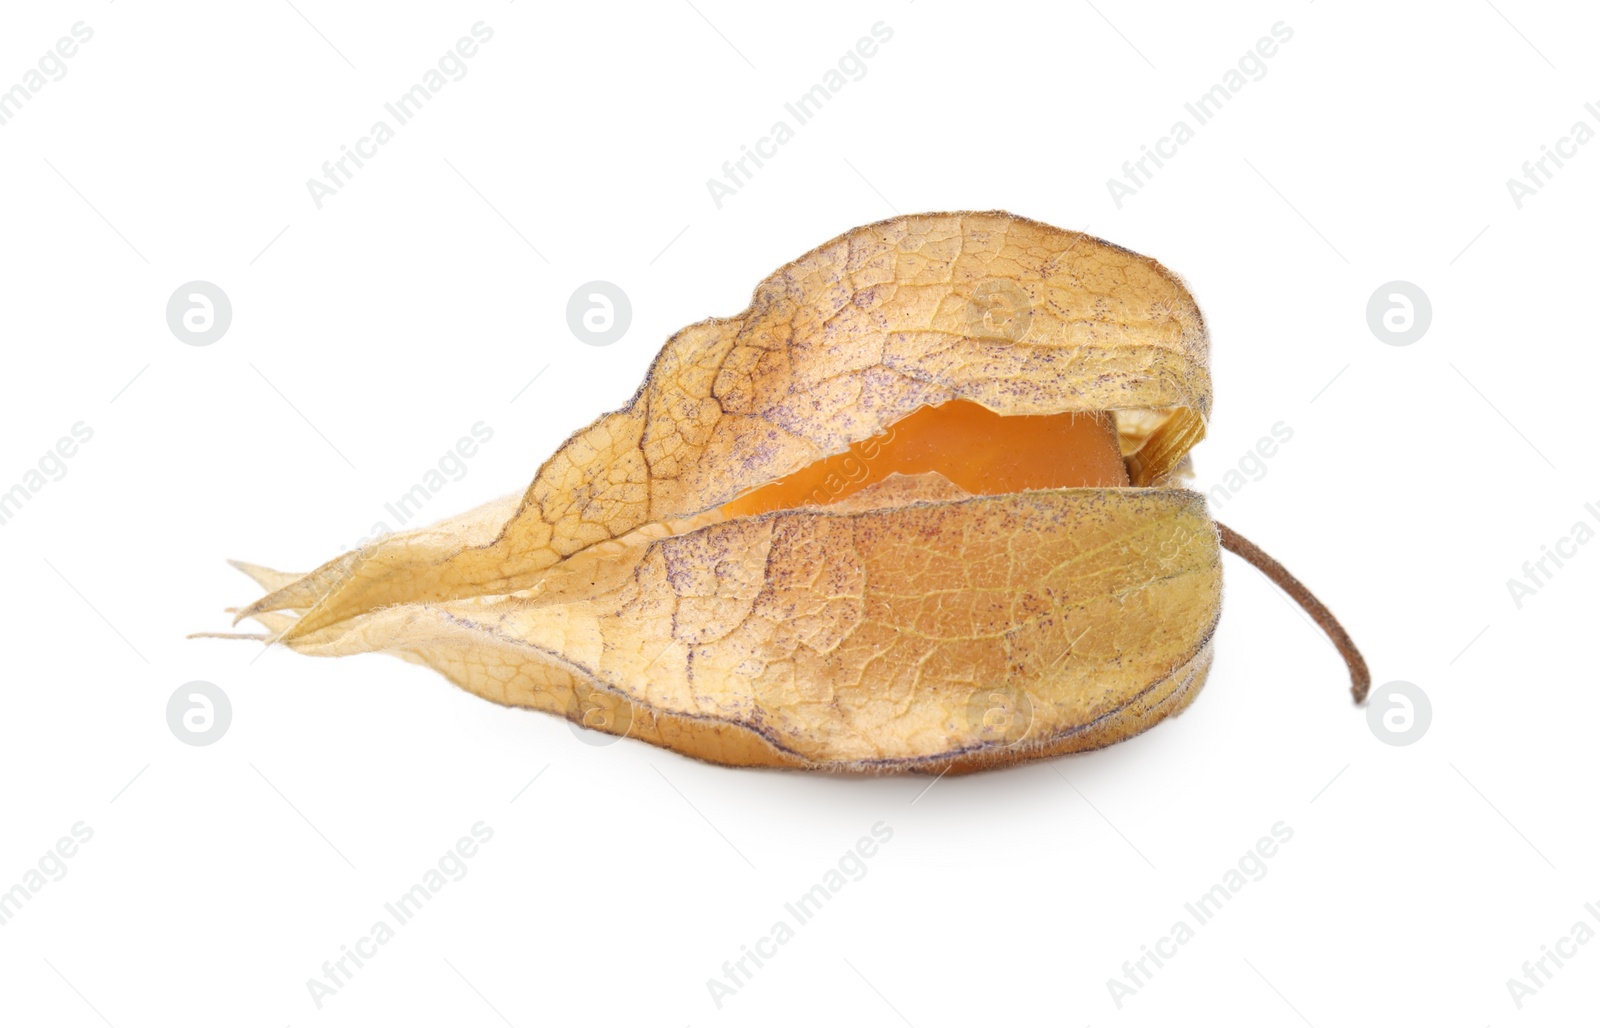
pixel 370 334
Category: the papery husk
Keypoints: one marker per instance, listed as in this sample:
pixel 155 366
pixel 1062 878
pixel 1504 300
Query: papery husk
pixel 853 636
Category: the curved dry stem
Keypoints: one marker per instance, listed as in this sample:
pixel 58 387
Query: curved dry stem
pixel 1360 677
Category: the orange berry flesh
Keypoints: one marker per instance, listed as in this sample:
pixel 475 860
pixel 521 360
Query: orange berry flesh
pixel 977 449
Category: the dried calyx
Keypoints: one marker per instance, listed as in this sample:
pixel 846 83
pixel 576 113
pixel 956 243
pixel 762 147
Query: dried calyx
pixel 930 477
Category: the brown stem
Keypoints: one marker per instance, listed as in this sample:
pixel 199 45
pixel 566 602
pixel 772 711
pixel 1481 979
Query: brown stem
pixel 1360 678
